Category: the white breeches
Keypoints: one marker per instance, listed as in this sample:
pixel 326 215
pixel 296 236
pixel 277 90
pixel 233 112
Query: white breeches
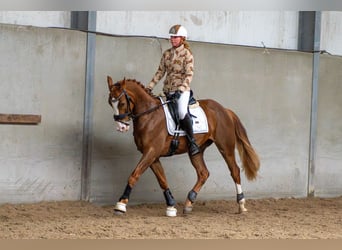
pixel 182 104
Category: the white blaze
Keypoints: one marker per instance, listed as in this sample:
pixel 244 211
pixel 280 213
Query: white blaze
pixel 119 125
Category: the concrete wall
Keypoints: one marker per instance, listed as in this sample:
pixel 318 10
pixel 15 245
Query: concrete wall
pixel 43 72
pixel 329 128
pixel 274 29
pixel 278 29
pixel 37 18
pixel 331 34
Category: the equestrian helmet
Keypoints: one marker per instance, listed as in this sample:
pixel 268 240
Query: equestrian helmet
pixel 178 30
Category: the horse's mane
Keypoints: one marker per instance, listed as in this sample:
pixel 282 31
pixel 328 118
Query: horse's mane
pixel 141 85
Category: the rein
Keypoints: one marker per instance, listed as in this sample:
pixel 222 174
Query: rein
pixel 148 111
pixel 129 111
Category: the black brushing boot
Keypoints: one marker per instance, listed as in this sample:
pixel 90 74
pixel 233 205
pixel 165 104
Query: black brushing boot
pixel 186 125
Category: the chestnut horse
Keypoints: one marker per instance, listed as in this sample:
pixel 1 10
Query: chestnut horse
pixel 130 100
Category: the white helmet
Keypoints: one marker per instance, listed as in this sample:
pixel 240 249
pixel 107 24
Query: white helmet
pixel 178 30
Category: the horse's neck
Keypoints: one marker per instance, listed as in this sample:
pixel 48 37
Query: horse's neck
pixel 143 101
pixel 146 102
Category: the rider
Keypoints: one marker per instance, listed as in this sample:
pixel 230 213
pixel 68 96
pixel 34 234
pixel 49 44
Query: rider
pixel 177 63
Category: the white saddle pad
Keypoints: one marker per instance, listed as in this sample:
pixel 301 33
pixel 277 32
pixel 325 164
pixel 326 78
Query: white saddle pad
pixel 200 122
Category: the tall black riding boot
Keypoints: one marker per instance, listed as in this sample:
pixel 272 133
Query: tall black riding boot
pixel 186 125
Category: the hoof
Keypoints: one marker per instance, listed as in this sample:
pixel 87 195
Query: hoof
pixel 171 212
pixel 120 208
pixel 117 212
pixel 187 210
pixel 242 208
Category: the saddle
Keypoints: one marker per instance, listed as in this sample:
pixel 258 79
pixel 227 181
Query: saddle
pixel 200 124
pixel 173 109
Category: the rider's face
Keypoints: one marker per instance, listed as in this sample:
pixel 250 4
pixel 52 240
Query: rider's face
pixel 176 41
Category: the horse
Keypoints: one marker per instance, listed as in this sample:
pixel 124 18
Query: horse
pixel 133 102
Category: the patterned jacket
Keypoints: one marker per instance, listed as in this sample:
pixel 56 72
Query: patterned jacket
pixel 178 64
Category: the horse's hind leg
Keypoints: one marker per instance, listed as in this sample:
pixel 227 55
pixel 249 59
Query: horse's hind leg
pixel 202 175
pixel 170 201
pixel 235 173
pixel 229 157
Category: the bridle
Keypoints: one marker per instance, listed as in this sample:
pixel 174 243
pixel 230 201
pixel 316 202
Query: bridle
pixel 129 111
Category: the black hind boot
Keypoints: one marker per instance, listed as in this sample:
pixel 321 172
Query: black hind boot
pixel 186 125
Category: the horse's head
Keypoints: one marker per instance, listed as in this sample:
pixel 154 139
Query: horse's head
pixel 121 103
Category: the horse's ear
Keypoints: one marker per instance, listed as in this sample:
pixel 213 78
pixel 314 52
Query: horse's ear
pixel 123 85
pixel 110 82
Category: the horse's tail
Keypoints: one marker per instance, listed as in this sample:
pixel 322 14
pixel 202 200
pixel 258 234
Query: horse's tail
pixel 249 158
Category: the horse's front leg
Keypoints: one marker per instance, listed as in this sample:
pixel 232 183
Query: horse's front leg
pixel 145 161
pixel 158 170
pixel 202 176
